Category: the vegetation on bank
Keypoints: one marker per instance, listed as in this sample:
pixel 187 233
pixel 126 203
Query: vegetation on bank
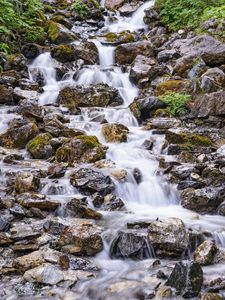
pixel 20 22
pixel 176 103
pixel 189 13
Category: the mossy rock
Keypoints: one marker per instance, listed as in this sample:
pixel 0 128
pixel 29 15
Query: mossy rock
pixel 171 86
pixel 58 33
pixel 40 147
pixel 120 38
pixel 187 141
pixel 162 112
pixel 59 18
pixel 80 149
pixel 63 53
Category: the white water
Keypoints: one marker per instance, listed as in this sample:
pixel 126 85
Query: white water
pixel 133 23
pixel 153 197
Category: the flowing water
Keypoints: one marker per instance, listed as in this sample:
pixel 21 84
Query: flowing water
pixel 154 197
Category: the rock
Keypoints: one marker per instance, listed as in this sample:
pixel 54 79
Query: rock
pixel 209 49
pixel 5 240
pixel 57 170
pixel 212 80
pixel 60 18
pixel 63 53
pixel 37 201
pixel 100 95
pixel 21 94
pixel 165 55
pixel 114 4
pixel 142 108
pixel 26 182
pixel 88 182
pixel 5 221
pixel 81 149
pixel 115 133
pixel 141 68
pixel 123 37
pixel 78 208
pixel 44 274
pixel 31 50
pixel 168 237
pixel 40 146
pixel 130 244
pixel 18 63
pixel 205 253
pixel 186 278
pixel 81 240
pixel 126 53
pixel 151 16
pixel 207 105
pixel 59 34
pixel 88 52
pixel 119 174
pixel 188 139
pixel 29 261
pixel 206 199
pixel 30 109
pixel 6 95
pixel 111 203
pixel 164 292
pixel 18 134
pixel 174 85
pixel 211 296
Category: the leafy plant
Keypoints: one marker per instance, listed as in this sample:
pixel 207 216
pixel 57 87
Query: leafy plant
pixel 20 22
pixel 176 103
pixel 80 7
pixel 181 13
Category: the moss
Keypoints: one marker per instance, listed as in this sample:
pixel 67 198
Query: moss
pixel 161 112
pixel 39 141
pixel 198 140
pixel 53 31
pixel 90 141
pixel 63 53
pixel 183 86
pixel 188 139
pixel 123 37
pixel 64 154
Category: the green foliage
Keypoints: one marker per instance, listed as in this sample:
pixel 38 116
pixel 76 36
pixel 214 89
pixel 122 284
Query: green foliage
pixel 182 13
pixel 20 22
pixel 80 8
pixel 176 103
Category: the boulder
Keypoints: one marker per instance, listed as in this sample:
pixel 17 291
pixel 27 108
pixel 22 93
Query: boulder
pixel 47 274
pixel 131 244
pixel 88 52
pixel 142 108
pixel 205 253
pixel 58 33
pixel 208 48
pixel 40 146
pixel 114 4
pixel 212 80
pixel 29 261
pixel 81 240
pixel 41 202
pixel 169 237
pixel 82 148
pixel 115 133
pixel 31 50
pixel 141 68
pixel 165 55
pixel 63 53
pixel 6 95
pixel 207 105
pixel 186 278
pixel 89 181
pixel 191 139
pixel 174 85
pixel 30 109
pixel 26 182
pixel 204 200
pixel 79 208
pixel 19 133
pixel 100 95
pixel 126 53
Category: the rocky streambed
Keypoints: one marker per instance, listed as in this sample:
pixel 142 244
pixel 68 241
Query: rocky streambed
pixel 104 193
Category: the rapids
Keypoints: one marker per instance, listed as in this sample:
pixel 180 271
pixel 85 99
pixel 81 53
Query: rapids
pixel 154 197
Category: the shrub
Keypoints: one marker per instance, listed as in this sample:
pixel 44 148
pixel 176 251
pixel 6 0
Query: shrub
pixel 181 13
pixel 20 22
pixel 80 8
pixel 176 103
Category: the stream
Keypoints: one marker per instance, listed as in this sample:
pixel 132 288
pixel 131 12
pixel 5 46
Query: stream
pixel 153 198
